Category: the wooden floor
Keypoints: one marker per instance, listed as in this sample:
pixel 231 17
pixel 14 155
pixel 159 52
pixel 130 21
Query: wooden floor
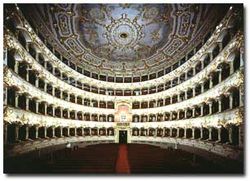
pixel 115 159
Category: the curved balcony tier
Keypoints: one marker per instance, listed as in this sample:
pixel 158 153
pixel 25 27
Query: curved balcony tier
pixel 14 115
pixel 234 80
pixel 225 56
pixel 217 36
pixel 234 116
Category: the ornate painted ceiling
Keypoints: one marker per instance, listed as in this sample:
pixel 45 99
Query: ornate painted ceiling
pixel 124 38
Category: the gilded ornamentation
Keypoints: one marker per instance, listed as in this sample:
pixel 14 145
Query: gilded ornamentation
pixel 118 32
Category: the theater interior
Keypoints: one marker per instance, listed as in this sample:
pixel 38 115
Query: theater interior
pixel 123 88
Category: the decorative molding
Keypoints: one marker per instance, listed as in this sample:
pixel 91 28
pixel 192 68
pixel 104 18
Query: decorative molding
pixel 215 120
pixel 14 115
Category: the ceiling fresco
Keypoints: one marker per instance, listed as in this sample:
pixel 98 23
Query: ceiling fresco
pixel 124 32
pixel 124 38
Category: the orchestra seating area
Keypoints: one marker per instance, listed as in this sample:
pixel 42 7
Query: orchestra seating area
pixel 102 159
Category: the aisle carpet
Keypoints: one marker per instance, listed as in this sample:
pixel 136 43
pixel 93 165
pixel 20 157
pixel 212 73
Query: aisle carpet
pixel 122 164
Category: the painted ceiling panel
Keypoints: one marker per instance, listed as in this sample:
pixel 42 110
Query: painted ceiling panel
pixel 125 38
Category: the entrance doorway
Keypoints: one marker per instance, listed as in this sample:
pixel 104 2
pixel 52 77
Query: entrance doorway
pixel 123 137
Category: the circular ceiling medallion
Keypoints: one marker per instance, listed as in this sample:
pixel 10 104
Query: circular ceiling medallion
pixel 124 33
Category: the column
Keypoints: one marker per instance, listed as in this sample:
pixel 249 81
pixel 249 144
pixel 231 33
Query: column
pixel 178 97
pixel 185 94
pixel 45 86
pixel 170 116
pixel 26 132
pixel 75 131
pixel 68 98
pixel 61 112
pixel 36 133
pixel 186 75
pixel 16 99
pixel 193 91
pixel 241 57
pixel 185 114
pixel 16 133
pixel 231 101
pixel 241 95
pixel 68 131
pixel 68 114
pixel 219 75
pixel 193 112
pixel 202 109
pixel 178 133
pixel 201 135
pixel 90 133
pixel 45 108
pixel 194 72
pixel 220 46
pixel 178 114
pixel 210 108
pixel 61 132
pixel 193 133
pixel 171 132
pixel 45 64
pixel 210 134
pixel 202 64
pixel 210 56
pixel 185 133
pixel 61 94
pixel 27 74
pixel 219 105
pixel 16 67
pixel 5 133
pixel 76 117
pixel 45 132
pixel 37 82
pixel 210 81
pixel 27 103
pixel 37 106
pixel 202 87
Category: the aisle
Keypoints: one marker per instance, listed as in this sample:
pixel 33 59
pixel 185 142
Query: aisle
pixel 122 164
